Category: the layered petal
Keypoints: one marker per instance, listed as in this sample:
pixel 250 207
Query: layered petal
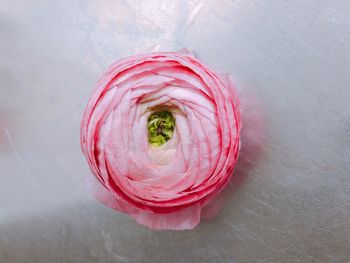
pixel 166 186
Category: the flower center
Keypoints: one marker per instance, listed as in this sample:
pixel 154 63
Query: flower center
pixel 160 127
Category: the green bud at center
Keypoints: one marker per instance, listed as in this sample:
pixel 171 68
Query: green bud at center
pixel 160 127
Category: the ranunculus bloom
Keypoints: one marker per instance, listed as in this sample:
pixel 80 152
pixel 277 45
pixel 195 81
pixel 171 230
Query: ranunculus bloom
pixel 161 135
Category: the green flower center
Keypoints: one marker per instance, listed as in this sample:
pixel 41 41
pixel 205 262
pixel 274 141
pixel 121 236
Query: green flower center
pixel 160 127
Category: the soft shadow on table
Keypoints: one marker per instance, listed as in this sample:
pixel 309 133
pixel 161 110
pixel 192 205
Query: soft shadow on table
pixel 253 139
pixel 253 136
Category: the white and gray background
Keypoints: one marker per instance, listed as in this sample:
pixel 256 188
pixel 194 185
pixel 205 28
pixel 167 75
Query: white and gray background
pixel 291 205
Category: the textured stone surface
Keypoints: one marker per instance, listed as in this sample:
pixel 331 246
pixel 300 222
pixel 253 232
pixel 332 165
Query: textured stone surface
pixel 290 200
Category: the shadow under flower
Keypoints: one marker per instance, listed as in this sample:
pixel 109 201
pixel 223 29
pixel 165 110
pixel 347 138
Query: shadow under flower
pixel 253 136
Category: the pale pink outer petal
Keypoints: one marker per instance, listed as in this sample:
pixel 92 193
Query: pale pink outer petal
pixel 102 193
pixel 185 219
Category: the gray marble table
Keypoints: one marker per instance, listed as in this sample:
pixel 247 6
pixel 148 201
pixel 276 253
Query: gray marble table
pixel 290 198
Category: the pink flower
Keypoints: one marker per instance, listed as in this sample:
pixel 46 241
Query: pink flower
pixel 161 135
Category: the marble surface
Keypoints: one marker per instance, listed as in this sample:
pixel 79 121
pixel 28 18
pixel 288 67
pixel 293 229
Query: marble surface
pixel 290 198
